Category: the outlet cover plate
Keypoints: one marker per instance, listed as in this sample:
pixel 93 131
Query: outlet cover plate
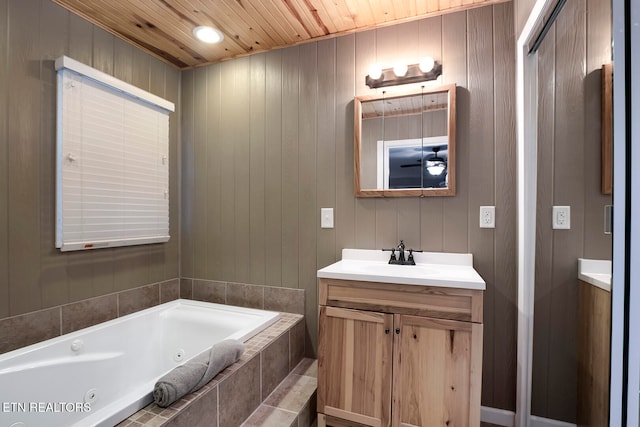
pixel 561 219
pixel 326 217
pixel 487 217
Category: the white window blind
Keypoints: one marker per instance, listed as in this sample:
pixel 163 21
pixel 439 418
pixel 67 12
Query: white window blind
pixel 112 161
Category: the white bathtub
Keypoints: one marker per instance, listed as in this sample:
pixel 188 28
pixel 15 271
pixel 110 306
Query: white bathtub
pixel 102 374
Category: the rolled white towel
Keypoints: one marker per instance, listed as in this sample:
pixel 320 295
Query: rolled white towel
pixel 195 373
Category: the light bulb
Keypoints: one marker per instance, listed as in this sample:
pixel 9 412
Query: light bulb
pixel 375 71
pixel 208 34
pixel 435 170
pixel 400 70
pixel 435 167
pixel 426 64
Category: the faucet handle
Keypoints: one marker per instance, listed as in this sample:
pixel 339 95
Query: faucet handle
pixel 392 259
pixel 410 259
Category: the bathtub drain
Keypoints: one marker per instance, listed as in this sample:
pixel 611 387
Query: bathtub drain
pixel 91 395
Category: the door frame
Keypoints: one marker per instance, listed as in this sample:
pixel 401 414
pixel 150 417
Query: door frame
pixel 527 137
pixel 625 333
pixel 625 320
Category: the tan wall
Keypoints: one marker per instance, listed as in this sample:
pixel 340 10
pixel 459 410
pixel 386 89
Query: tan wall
pixel 569 139
pixel 33 274
pixel 268 141
pixel 522 11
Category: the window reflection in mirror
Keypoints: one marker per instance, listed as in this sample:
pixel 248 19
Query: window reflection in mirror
pixel 405 143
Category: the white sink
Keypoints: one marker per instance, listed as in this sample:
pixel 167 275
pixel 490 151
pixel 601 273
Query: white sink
pixel 596 272
pixel 431 269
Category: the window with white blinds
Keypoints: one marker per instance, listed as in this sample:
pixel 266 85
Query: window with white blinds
pixel 112 161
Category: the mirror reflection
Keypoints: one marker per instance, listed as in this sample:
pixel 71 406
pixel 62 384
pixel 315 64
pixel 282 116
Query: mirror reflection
pixel 405 143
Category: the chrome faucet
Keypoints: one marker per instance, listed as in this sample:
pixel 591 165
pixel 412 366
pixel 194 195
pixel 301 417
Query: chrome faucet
pixel 401 260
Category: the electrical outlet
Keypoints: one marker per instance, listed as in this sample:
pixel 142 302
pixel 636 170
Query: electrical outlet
pixel 561 217
pixel 487 217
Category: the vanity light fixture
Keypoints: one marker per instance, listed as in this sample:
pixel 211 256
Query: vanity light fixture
pixel 426 64
pixel 375 71
pixel 400 70
pixel 208 34
pixel 427 69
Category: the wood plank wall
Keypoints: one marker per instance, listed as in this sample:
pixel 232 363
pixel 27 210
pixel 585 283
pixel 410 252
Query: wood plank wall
pixel 523 9
pixel 33 274
pixel 569 140
pixel 268 141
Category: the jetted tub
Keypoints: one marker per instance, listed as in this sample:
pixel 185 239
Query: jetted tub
pixel 102 374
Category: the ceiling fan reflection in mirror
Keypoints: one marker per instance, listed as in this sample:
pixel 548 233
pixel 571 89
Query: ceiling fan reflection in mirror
pixel 433 163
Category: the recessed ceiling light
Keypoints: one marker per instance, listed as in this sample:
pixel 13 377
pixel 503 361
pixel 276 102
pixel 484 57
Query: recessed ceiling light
pixel 208 34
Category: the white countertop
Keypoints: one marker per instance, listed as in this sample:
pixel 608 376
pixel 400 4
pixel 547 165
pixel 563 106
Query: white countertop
pixel 431 269
pixel 596 272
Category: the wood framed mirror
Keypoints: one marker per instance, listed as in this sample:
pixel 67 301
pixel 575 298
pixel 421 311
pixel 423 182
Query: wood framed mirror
pixel 404 143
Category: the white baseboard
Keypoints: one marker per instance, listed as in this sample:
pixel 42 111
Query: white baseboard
pixel 501 417
pixel 546 422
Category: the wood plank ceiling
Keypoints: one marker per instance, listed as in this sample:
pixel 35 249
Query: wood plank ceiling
pixel 164 27
pixel 404 105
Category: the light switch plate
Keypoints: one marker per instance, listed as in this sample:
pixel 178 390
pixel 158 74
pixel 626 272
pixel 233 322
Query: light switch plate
pixel 561 219
pixel 326 217
pixel 487 217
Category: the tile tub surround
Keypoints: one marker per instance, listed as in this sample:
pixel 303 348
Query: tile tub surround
pixel 271 298
pixel 270 356
pixel 30 328
pixel 234 394
pixel 293 402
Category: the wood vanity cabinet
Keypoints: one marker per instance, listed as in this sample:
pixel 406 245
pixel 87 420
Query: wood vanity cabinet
pixel 594 350
pixel 398 355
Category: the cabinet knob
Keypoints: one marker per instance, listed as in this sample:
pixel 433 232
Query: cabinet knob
pixel 397 331
pixel 386 331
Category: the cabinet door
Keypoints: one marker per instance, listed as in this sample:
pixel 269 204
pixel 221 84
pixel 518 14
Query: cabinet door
pixel 354 365
pixel 436 373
